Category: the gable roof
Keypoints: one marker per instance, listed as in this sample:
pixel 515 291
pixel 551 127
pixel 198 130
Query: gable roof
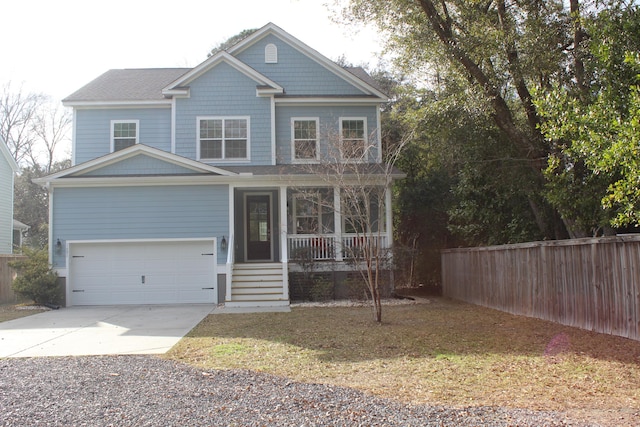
pixel 127 85
pixel 354 77
pixel 157 85
pixel 129 152
pixel 263 82
pixel 4 151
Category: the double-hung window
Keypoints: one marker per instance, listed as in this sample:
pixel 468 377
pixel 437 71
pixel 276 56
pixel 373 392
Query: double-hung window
pixel 223 138
pixel 305 139
pixel 307 213
pixel 124 133
pixel 353 138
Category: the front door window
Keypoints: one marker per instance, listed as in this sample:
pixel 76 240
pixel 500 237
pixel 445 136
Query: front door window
pixel 259 228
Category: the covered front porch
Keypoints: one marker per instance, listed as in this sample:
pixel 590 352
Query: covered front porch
pixel 275 229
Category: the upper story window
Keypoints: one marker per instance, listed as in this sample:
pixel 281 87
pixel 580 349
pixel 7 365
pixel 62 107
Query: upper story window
pixel 353 141
pixel 223 138
pixel 305 139
pixel 124 133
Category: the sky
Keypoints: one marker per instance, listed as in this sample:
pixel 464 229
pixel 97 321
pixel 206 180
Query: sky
pixel 57 46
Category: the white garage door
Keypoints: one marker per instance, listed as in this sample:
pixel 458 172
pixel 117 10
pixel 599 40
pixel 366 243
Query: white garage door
pixel 157 272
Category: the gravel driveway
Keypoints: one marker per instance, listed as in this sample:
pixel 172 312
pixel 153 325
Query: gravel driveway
pixel 149 391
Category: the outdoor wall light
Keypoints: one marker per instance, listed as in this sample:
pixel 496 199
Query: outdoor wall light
pixel 223 244
pixel 58 246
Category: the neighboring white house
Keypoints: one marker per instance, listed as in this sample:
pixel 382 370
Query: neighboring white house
pixel 8 169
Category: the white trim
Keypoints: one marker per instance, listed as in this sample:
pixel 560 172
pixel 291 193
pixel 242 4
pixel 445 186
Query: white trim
pixel 282 215
pixel 118 104
pixel 379 136
pixel 337 219
pixel 174 109
pixel 293 140
pixel 112 130
pixel 223 159
pixel 273 132
pixel 74 130
pixel 232 244
pixel 365 154
pixel 319 100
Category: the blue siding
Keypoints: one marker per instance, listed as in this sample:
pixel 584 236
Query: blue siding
pixel 6 205
pixel 329 127
pixel 93 129
pixel 224 91
pixel 140 164
pixel 296 72
pixel 139 213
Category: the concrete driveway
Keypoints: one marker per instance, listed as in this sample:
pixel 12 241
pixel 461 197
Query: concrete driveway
pixel 102 330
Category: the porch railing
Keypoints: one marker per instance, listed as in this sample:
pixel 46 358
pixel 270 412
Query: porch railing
pixel 332 247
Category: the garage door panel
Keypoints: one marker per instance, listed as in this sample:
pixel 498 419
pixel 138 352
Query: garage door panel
pixel 142 273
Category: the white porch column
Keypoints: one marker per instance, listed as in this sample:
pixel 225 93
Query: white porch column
pixel 284 242
pixel 389 213
pixel 337 222
pixel 231 240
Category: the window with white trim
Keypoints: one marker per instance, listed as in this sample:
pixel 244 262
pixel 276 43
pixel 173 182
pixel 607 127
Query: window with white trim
pixel 312 212
pixel 124 133
pixel 353 137
pixel 223 138
pixel 304 139
pixel 306 213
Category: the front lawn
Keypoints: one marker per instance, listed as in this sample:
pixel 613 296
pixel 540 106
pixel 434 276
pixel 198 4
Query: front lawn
pixel 15 311
pixel 440 352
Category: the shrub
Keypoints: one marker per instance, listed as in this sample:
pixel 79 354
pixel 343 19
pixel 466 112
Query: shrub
pixel 35 279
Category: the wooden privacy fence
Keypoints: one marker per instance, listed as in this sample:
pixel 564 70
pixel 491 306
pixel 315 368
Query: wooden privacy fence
pixel 7 296
pixel 592 284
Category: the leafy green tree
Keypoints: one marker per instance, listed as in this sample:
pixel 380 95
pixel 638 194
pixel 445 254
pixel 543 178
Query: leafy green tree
pixel 496 53
pixel 35 279
pixel 231 41
pixel 593 169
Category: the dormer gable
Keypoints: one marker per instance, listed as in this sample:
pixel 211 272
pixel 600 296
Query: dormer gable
pixel 138 160
pixel 180 87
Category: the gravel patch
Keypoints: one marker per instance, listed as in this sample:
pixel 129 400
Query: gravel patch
pixel 149 391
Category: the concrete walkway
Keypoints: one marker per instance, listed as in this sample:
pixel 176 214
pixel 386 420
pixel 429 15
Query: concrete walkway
pixel 101 330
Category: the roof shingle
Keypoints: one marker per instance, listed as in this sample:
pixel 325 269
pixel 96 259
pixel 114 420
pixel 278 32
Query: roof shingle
pixel 144 84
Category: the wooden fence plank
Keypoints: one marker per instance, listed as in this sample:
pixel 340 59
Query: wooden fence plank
pixel 589 283
pixel 7 274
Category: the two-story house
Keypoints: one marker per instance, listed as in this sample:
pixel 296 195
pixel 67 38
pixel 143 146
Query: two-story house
pixel 8 169
pixel 194 185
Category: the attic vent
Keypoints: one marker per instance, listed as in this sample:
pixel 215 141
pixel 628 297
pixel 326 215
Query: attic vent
pixel 271 54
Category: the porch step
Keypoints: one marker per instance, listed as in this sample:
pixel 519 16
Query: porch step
pixel 257 285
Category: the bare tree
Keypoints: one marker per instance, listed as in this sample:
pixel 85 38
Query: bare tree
pixel 362 188
pixel 51 127
pixel 17 113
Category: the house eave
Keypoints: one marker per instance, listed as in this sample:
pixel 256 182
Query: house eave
pixel 164 103
pixel 320 100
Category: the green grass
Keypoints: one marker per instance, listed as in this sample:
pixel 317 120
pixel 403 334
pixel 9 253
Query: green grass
pixel 443 352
